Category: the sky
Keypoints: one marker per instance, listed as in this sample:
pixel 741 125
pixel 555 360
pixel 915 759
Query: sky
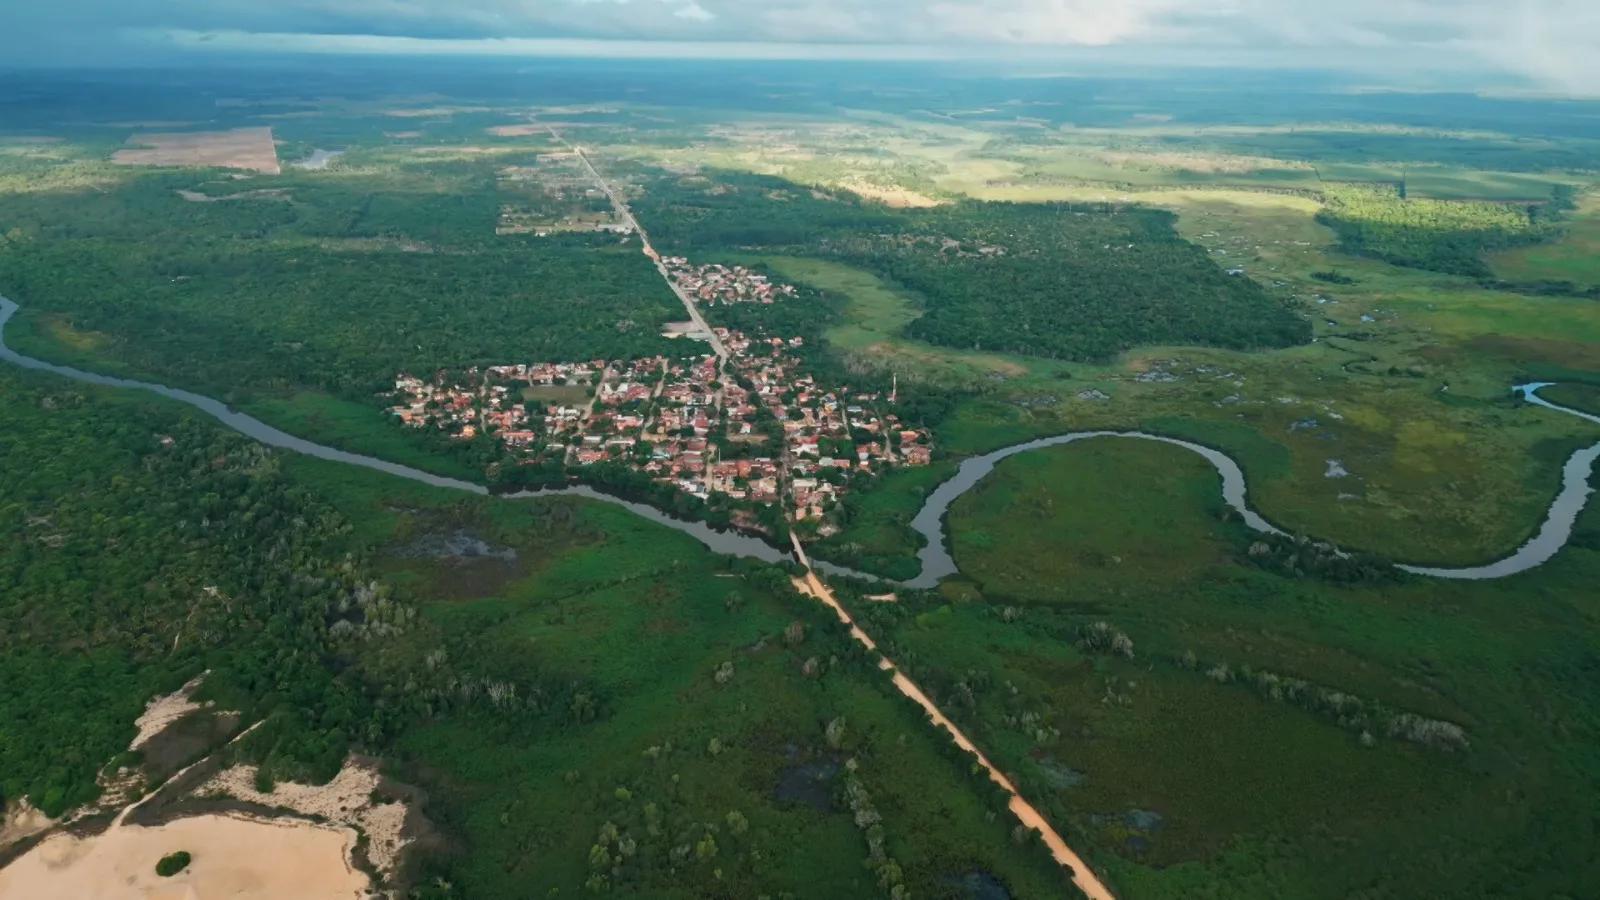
pixel 1551 45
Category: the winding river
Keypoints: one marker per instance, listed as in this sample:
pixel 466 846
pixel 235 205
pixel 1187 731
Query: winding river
pixel 929 522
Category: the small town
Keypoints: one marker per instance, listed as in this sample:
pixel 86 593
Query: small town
pixel 714 283
pixel 759 433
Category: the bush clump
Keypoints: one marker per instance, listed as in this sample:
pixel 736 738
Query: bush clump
pixel 172 864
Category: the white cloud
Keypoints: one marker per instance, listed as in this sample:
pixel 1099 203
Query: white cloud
pixel 1556 42
pixel 1064 22
pixel 694 12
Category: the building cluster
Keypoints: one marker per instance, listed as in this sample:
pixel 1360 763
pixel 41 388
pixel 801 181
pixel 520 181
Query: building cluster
pixel 757 433
pixel 713 284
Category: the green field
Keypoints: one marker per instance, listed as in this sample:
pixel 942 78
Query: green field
pixel 1256 796
pixel 1581 397
pixel 355 427
pixel 1575 257
pixel 872 328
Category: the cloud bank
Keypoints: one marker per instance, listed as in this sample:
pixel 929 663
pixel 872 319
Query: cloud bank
pixel 1553 43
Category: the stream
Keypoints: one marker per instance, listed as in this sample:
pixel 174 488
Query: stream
pixel 935 557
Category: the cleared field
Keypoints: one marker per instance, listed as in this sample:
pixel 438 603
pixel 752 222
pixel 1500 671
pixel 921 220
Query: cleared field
pixel 570 394
pixel 877 314
pixel 516 130
pixel 238 148
pixel 1575 258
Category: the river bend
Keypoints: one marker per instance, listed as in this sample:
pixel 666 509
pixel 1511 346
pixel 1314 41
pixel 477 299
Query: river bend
pixel 935 557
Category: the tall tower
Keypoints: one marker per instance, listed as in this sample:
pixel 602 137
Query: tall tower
pixel 894 385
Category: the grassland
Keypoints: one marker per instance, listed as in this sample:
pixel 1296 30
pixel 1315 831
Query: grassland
pixel 1407 386
pixel 1581 397
pixel 617 630
pixel 1574 258
pixel 871 329
pixel 356 428
pixel 1255 796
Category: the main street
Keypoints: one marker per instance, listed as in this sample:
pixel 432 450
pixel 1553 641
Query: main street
pixel 626 215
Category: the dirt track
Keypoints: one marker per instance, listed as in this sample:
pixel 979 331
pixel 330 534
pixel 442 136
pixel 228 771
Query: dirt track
pixel 1082 875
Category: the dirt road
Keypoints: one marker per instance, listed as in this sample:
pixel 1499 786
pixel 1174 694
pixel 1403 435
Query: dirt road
pixel 1082 875
pixel 626 214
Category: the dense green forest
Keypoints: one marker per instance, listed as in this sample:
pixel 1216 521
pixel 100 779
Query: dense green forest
pixel 337 290
pixel 1451 236
pixel 597 706
pixel 140 547
pixel 1068 281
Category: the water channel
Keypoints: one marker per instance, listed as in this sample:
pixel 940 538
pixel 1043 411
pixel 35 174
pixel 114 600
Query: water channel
pixel 935 557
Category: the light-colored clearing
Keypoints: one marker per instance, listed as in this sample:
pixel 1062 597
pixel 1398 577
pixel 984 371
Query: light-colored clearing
pixel 402 134
pixel 20 821
pixel 240 148
pixel 433 111
pixel 263 194
pixel 234 857
pixel 162 711
pixel 516 130
pixel 346 801
pixel 898 198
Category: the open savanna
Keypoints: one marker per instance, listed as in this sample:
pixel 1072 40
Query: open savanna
pixel 1406 389
pixel 1256 793
pixel 1575 257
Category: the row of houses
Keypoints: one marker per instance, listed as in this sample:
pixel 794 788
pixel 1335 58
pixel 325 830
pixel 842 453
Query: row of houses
pixel 715 283
pixel 763 431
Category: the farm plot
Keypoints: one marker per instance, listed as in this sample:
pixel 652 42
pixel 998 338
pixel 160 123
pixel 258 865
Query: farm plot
pixel 239 148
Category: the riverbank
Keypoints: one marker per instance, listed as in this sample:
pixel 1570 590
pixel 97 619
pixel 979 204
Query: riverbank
pixel 935 558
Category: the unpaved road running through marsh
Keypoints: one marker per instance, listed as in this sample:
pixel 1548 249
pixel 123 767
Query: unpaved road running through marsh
pixel 1030 817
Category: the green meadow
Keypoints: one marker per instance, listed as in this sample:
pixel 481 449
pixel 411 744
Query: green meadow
pixel 1208 760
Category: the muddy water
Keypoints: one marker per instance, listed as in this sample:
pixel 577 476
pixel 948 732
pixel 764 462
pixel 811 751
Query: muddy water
pixel 935 557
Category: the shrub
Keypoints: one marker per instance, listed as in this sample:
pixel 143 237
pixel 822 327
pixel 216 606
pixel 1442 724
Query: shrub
pixel 1101 637
pixel 173 864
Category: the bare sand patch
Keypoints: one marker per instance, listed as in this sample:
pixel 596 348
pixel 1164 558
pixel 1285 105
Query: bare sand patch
pixel 233 856
pixel 162 711
pixel 347 800
pixel 402 134
pixel 516 130
pixel 22 820
pixel 239 148
pixel 898 198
